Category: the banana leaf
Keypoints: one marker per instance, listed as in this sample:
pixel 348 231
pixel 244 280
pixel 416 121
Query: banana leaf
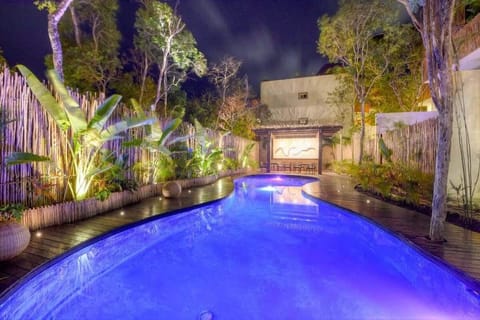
pixel 104 111
pixel 46 98
pixel 23 157
pixel 77 117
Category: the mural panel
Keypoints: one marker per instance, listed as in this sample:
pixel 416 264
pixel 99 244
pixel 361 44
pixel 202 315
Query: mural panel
pixel 295 148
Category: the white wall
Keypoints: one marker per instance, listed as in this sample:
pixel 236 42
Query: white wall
pixel 281 96
pixel 471 96
pixel 388 121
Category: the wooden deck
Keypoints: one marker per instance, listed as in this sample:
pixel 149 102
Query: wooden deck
pixel 461 249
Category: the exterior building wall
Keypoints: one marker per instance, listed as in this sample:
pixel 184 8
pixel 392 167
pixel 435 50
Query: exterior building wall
pixel 471 99
pixel 287 102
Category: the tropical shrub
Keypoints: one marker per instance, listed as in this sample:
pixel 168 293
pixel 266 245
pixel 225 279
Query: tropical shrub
pixel 158 139
pixel 206 158
pixel 390 180
pixel 11 212
pixel 116 178
pixel 84 137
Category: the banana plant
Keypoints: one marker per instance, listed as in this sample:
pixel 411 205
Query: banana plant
pixel 206 157
pixel 157 139
pixel 85 137
pixel 157 136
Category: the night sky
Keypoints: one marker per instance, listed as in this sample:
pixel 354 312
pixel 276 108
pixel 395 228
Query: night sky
pixel 274 38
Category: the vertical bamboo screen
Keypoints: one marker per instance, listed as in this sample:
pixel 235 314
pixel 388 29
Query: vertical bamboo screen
pixel 34 131
pixel 415 145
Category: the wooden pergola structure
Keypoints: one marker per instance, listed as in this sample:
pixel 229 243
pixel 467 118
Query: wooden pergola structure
pixel 266 133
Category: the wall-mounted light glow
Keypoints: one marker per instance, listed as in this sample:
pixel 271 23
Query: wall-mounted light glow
pixel 38 234
pixel 122 213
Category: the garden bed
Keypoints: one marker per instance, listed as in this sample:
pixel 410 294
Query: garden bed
pixel 68 212
pixel 424 206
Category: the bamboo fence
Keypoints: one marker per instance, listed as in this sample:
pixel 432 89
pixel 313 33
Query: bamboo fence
pixel 467 39
pixel 415 145
pixel 33 130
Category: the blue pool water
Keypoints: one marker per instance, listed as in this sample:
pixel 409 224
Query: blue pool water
pixel 265 252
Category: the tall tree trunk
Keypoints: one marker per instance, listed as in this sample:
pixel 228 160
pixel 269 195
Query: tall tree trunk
pixel 76 27
pixel 439 202
pixel 53 21
pixel 436 34
pixel 163 74
pixel 144 75
pixel 436 30
pixel 362 130
pixel 165 98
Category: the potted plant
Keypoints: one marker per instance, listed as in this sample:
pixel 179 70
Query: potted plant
pixel 14 236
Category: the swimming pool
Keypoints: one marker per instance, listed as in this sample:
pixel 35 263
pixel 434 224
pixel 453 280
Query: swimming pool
pixel 265 252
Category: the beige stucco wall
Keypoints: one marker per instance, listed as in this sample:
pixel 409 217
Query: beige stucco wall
pixel 471 96
pixel 281 96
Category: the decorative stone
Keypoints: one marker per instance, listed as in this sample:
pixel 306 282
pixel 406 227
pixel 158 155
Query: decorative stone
pixel 171 189
pixel 14 238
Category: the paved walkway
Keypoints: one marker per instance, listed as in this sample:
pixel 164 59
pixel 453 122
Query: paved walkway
pixel 461 249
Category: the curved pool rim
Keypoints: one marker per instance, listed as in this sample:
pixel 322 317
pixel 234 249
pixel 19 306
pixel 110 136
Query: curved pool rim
pixel 39 269
pixel 462 275
pixel 471 282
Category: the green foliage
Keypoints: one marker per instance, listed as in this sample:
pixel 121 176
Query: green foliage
pixel 114 179
pixel 392 181
pixel 472 8
pixel 181 157
pixel 244 160
pixel 91 45
pixel 401 88
pixel 128 85
pixel 11 212
pixel 158 135
pixel 162 40
pixel 157 140
pixel 262 113
pixel 177 100
pixel 23 157
pixel 243 126
pixel 3 61
pixel 160 169
pixel 361 37
pixel 84 137
pixel 49 5
pixel 206 158
pixel 205 162
pixel 386 151
pixel 204 109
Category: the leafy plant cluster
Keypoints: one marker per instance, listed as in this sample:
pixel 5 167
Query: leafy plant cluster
pixel 94 170
pixel 390 180
pixel 11 212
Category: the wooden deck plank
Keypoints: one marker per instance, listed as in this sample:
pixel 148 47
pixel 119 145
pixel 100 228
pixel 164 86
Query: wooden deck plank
pixel 459 251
